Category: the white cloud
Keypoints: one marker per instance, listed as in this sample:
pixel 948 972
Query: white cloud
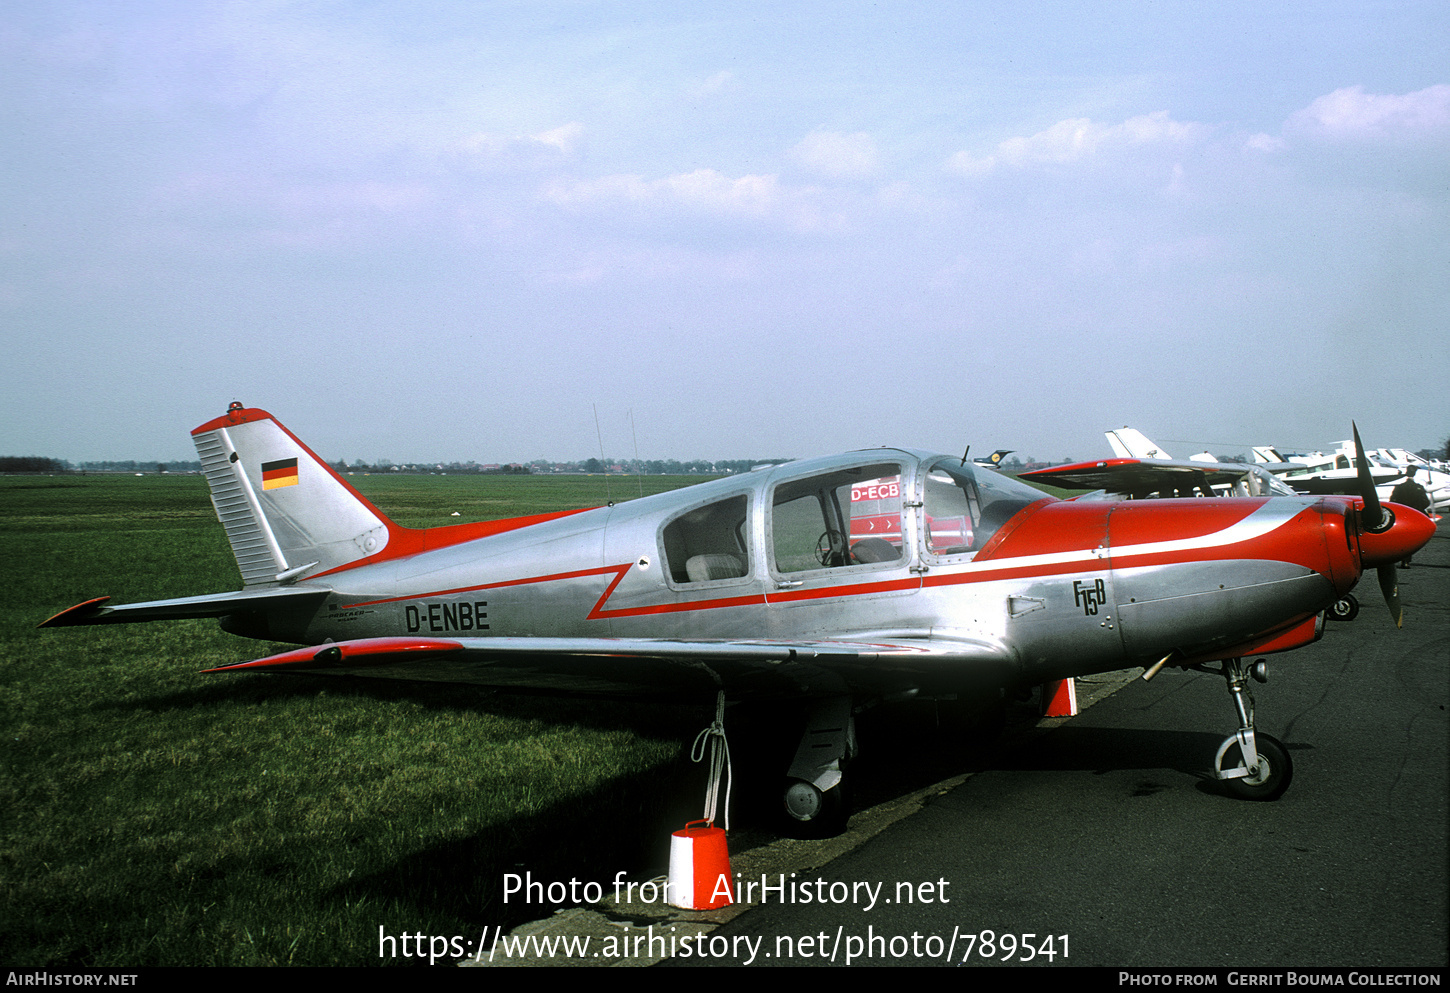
pixel 1068 141
pixel 1354 114
pixel 1266 143
pixel 831 153
pixel 564 140
pixel 1077 139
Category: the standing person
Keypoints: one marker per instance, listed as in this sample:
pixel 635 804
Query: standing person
pixel 1411 494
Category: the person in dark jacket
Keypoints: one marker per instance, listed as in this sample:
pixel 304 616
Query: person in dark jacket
pixel 1411 494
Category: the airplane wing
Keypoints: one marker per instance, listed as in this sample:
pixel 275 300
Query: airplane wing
pixel 209 605
pixel 1138 477
pixel 1343 485
pixel 645 667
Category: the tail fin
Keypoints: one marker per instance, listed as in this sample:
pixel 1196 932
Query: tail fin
pixel 285 511
pixel 1129 443
pixel 995 459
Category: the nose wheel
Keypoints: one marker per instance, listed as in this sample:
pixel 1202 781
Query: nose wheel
pixel 1269 776
pixel 1254 766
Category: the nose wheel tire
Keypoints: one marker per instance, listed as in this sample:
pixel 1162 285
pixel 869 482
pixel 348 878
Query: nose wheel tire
pixel 1344 609
pixel 1269 778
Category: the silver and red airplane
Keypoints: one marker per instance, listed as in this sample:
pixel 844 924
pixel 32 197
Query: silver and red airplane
pixel 958 583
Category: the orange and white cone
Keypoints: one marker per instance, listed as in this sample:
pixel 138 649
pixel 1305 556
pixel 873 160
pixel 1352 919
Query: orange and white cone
pixel 1059 698
pixel 699 876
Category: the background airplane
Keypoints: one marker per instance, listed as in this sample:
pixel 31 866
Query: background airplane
pixel 993 461
pixel 1338 472
pixel 760 587
pixel 1142 469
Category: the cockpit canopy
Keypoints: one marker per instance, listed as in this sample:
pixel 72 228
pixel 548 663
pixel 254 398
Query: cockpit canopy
pixel 964 509
pixel 853 513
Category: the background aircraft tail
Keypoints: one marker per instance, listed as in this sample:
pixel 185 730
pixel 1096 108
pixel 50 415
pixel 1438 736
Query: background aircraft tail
pixel 286 513
pixel 1129 443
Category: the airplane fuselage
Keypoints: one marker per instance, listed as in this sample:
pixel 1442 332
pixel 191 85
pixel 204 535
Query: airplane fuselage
pixel 1061 588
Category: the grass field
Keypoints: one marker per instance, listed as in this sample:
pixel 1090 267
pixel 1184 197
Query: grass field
pixel 153 816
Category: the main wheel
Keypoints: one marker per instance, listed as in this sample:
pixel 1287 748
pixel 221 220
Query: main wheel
pixel 814 813
pixel 1270 779
pixel 1344 609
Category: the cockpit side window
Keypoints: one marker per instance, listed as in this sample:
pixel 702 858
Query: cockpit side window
pixel 964 509
pixel 841 518
pixel 708 543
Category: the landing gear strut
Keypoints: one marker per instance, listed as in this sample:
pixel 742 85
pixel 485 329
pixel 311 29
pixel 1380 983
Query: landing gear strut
pixel 815 794
pixel 1255 766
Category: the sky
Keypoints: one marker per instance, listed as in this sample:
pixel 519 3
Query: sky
pixel 451 230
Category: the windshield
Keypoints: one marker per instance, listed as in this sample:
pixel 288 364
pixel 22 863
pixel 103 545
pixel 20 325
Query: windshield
pixel 964 507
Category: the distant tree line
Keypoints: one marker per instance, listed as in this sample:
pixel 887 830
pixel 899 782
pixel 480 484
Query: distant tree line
pixel 652 467
pixel 657 467
pixel 32 463
pixel 138 465
pixel 431 468
pixel 39 463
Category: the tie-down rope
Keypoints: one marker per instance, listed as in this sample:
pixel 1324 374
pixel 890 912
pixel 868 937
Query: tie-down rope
pixel 714 735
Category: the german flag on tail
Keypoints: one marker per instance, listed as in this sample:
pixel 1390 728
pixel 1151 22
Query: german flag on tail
pixel 277 474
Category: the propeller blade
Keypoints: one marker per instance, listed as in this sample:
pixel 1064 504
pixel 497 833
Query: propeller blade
pixel 1390 587
pixel 1373 515
pixel 1375 519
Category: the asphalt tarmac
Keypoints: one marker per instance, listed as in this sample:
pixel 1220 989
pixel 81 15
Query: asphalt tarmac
pixel 1105 840
pixel 1108 835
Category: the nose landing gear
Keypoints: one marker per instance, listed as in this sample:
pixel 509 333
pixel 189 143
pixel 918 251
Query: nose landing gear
pixel 1255 766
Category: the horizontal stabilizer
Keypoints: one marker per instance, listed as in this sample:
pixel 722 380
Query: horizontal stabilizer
pixel 98 611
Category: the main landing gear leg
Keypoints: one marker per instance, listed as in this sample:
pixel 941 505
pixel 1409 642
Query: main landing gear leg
pixel 815 798
pixel 1258 765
